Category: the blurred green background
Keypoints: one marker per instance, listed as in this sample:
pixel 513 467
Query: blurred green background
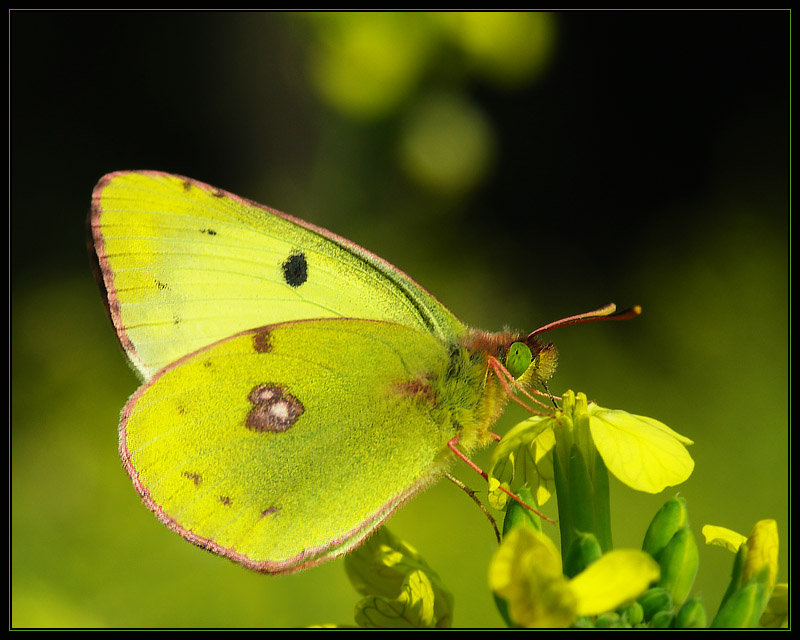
pixel 520 167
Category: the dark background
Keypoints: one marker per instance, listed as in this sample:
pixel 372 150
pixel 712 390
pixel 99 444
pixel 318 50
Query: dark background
pixel 644 160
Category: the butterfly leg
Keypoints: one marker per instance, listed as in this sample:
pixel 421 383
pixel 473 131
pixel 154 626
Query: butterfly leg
pixel 504 376
pixel 452 445
pixel 474 498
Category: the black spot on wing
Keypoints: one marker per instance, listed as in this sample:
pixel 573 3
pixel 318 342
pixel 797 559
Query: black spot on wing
pixel 210 232
pixel 295 269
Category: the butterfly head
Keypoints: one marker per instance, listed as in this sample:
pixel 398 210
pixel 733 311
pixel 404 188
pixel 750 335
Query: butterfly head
pixel 530 361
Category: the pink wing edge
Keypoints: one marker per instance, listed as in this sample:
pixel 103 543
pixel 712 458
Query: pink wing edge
pixel 105 275
pixel 308 557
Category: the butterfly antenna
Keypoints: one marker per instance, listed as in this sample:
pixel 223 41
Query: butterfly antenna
pixel 474 498
pixel 607 312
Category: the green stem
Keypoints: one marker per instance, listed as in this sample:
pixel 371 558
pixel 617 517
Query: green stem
pixel 583 502
pixel 602 504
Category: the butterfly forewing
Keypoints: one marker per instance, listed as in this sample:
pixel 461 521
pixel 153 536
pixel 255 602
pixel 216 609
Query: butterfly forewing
pixel 185 265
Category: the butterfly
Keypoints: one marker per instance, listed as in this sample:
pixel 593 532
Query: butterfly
pixel 297 389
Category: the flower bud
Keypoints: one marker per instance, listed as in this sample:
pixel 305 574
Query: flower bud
pixel 610 620
pixel 670 518
pixel 517 515
pixel 655 600
pixel 679 563
pixel 756 563
pixel 583 551
pixel 692 615
pixel 742 610
pixel 662 620
pixel 633 614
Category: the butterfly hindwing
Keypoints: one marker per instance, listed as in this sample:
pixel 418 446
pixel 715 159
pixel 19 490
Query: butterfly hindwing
pixel 286 445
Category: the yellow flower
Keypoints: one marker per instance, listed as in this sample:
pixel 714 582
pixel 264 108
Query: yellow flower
pixel 641 452
pixel 523 455
pixel 760 553
pixel 526 571
pixel 761 547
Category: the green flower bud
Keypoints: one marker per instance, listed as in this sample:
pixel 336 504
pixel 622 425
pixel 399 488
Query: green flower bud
pixel 679 562
pixel 756 560
pixel 662 620
pixel 655 600
pixel 517 515
pixel 692 615
pixel 633 614
pixel 583 551
pixel 668 520
pixel 736 575
pixel 608 620
pixel 582 622
pixel 776 613
pixel 743 609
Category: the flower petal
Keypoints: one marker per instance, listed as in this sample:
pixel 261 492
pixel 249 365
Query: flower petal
pixel 641 452
pixel 616 578
pixel 521 457
pixel 526 571
pixel 722 537
pixel 411 609
pixel 400 586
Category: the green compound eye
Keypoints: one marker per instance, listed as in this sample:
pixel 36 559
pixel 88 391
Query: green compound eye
pixel 519 359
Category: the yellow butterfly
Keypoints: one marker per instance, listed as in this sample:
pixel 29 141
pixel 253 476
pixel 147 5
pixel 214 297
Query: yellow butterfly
pixel 297 388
